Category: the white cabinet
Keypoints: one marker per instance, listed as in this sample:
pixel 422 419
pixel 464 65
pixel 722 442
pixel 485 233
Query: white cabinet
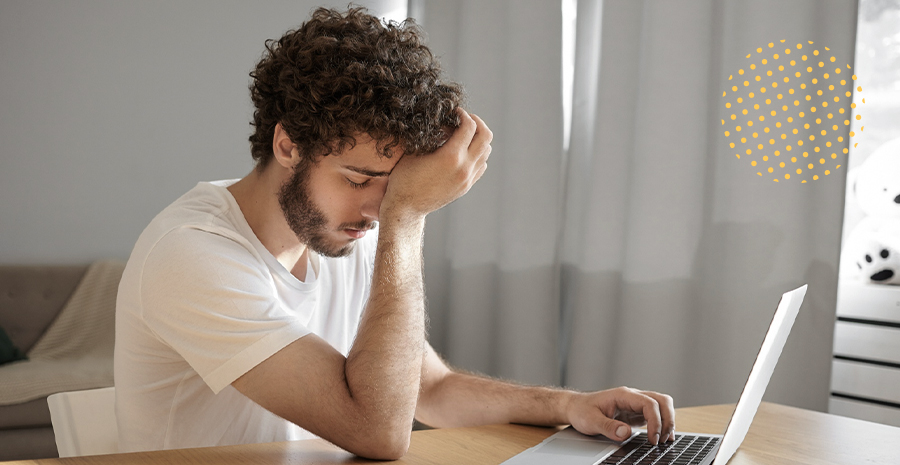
pixel 865 378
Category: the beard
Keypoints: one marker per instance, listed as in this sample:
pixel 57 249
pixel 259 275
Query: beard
pixel 307 220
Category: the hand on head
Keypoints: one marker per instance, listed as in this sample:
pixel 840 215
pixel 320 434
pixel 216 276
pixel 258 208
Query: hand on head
pixel 420 184
pixel 612 413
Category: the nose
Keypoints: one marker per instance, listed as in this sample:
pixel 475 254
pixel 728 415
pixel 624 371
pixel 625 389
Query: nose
pixel 371 205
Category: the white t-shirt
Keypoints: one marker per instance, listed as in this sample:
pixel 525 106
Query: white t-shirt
pixel 201 302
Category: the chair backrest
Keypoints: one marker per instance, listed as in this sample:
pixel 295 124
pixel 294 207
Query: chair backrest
pixel 84 422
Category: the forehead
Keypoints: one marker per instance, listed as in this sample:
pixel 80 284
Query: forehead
pixel 364 158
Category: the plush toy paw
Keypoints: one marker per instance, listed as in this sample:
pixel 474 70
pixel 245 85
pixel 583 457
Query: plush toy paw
pixel 880 265
pixel 872 248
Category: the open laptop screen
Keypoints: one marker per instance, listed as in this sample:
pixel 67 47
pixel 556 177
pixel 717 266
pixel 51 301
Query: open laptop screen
pixel 761 373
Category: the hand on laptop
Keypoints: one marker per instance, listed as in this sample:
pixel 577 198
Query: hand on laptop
pixel 613 412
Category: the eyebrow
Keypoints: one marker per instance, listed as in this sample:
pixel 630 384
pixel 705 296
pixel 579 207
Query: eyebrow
pixel 368 172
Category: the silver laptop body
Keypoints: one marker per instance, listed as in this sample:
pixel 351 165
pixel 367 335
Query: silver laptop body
pixel 569 447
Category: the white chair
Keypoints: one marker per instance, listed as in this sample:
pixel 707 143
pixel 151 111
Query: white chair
pixel 84 422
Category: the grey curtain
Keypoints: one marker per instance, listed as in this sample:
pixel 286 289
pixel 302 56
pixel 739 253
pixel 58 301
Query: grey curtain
pixel 491 268
pixel 645 255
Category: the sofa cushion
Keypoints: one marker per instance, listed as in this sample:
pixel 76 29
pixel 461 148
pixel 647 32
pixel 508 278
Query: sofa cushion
pixel 76 351
pixel 29 414
pixel 31 297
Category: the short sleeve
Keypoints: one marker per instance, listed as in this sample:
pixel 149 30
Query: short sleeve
pixel 211 298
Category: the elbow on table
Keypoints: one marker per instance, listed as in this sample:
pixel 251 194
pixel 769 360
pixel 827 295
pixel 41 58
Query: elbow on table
pixel 386 446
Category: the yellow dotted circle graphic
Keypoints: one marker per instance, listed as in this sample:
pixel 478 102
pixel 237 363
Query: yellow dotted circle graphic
pixel 803 104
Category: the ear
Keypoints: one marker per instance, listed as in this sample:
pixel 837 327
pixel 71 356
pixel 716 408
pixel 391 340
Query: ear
pixel 285 151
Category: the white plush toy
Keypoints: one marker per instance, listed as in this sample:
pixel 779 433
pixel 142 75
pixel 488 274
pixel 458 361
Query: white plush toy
pixel 872 249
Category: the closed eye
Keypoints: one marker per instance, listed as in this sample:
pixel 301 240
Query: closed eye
pixel 357 185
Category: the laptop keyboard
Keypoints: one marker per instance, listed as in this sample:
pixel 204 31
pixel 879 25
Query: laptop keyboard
pixel 684 450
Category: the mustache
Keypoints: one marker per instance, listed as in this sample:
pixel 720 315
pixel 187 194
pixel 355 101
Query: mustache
pixel 361 225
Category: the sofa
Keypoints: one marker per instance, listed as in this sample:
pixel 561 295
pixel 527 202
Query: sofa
pixel 63 319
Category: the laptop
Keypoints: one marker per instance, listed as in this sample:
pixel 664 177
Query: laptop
pixel 569 447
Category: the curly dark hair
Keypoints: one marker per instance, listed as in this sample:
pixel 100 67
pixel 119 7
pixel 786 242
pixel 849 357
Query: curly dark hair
pixel 341 75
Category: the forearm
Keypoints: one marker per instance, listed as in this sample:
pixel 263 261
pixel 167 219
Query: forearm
pixel 383 370
pixel 452 399
pixel 461 399
pixel 383 366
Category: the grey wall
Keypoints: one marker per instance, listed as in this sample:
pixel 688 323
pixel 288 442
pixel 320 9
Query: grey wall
pixel 110 110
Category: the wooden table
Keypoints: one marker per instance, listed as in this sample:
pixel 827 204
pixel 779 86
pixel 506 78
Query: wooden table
pixel 779 435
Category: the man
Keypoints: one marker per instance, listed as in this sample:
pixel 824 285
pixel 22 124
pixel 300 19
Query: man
pixel 270 308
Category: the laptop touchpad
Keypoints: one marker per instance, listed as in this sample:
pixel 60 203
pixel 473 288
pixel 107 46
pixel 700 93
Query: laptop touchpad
pixel 578 447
